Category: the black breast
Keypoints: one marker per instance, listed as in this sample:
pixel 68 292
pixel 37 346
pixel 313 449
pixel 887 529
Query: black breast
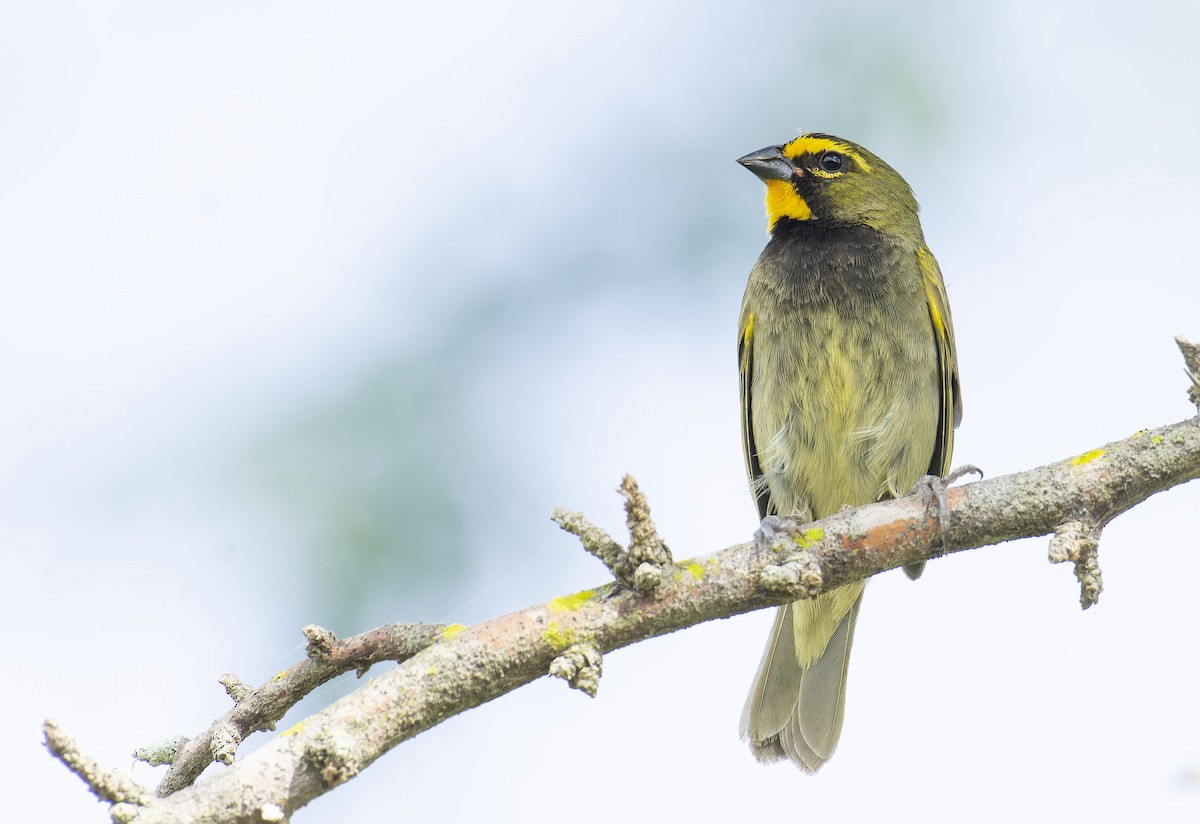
pixel 847 265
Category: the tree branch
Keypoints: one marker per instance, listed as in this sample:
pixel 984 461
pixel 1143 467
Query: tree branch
pixel 259 709
pixel 108 785
pixel 463 667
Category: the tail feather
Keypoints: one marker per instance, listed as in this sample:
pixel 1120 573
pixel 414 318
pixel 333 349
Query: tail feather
pixel 795 712
pixel 822 703
pixel 772 700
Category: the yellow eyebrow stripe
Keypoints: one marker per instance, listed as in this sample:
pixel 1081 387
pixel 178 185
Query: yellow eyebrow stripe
pixel 807 144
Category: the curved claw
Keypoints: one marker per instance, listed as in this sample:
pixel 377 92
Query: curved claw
pixel 961 472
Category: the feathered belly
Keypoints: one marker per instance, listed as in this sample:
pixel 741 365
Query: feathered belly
pixel 847 414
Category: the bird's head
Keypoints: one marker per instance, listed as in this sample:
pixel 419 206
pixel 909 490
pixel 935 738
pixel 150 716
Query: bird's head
pixel 821 178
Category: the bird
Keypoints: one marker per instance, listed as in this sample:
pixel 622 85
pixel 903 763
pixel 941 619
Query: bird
pixel 849 395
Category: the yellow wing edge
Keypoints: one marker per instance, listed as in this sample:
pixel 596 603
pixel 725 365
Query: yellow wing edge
pixel 943 332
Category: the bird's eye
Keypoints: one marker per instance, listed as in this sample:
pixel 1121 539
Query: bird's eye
pixel 831 162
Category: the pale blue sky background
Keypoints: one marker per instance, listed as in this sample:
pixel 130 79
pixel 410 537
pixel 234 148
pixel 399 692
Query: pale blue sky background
pixel 313 312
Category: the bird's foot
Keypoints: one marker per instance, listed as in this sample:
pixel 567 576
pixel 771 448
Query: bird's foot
pixel 774 527
pixel 769 530
pixel 932 488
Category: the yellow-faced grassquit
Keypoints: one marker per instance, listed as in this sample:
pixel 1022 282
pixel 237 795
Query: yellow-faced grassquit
pixel 849 385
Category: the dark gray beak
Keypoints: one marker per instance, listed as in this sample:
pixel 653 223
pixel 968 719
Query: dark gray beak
pixel 769 164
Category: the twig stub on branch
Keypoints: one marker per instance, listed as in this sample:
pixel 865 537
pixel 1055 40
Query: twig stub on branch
pixel 1079 543
pixel 1191 364
pixel 581 666
pixel 642 566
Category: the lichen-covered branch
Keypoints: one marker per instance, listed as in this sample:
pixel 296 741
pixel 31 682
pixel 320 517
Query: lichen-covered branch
pixel 457 668
pixel 113 786
pixel 259 709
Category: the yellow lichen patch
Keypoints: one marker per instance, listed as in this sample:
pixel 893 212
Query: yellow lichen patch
pixel 452 630
pixel 557 637
pixel 432 671
pixel 296 730
pixel 1087 457
pixel 696 569
pixel 784 201
pixel 571 603
pixel 807 537
pixel 808 144
pixel 1156 439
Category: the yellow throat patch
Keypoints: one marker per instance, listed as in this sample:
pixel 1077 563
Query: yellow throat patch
pixel 784 201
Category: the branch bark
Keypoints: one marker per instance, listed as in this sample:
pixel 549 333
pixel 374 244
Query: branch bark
pixel 259 709
pixel 463 667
